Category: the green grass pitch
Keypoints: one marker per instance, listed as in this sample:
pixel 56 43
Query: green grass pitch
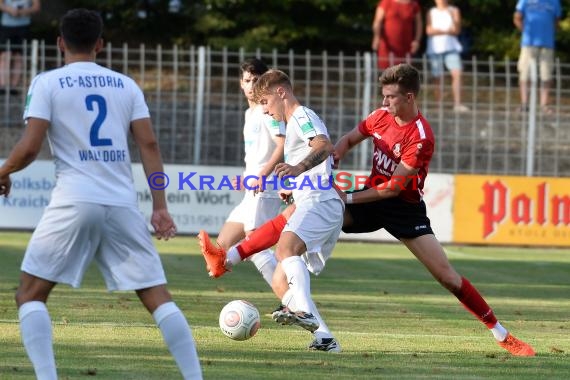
pixel 392 319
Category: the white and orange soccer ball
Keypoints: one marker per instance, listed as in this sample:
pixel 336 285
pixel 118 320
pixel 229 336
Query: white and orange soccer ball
pixel 239 320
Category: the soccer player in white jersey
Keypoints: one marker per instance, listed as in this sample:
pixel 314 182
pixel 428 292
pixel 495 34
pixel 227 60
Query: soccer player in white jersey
pixel 264 138
pixel 312 231
pixel 87 112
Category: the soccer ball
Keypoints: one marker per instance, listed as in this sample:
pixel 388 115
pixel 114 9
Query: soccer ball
pixel 239 320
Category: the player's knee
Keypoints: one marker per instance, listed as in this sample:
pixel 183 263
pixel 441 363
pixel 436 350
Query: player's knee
pixel 153 297
pixel 282 254
pixel 32 289
pixel 24 295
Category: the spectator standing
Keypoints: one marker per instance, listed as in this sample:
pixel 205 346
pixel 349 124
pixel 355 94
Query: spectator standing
pixel 443 25
pixel 397 28
pixel 15 28
pixel 537 20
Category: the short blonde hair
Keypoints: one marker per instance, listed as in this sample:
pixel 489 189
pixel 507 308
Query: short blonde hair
pixel 266 82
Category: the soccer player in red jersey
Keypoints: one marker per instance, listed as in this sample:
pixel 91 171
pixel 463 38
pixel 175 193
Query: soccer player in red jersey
pixel 403 148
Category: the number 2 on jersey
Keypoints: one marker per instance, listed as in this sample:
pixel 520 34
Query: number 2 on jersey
pixel 94 132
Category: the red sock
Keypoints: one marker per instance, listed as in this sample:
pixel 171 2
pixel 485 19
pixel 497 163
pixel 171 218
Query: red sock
pixel 262 238
pixel 472 301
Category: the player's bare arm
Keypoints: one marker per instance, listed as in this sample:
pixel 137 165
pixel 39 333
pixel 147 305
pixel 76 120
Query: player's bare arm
pixel 151 160
pixel 24 152
pixel 321 148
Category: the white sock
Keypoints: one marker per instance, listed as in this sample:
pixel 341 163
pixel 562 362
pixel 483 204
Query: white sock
pixel 289 300
pixel 299 282
pixel 323 330
pixel 36 332
pixel 178 337
pixel 499 332
pixel 293 295
pixel 232 257
pixel 265 262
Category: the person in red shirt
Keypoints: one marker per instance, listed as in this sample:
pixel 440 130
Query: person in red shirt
pixel 397 31
pixel 392 198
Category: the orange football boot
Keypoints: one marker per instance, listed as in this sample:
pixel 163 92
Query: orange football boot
pixel 516 346
pixel 215 256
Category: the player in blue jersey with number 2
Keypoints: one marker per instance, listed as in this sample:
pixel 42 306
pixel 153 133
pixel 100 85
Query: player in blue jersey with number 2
pixel 87 111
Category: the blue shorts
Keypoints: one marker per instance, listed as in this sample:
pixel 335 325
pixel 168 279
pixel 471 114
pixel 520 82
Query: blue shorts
pixel 451 60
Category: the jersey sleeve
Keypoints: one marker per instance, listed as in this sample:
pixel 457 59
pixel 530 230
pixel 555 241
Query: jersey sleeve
pixel 38 99
pixel 363 128
pixel 140 108
pixel 308 125
pixel 275 128
pixel 366 126
pixel 306 130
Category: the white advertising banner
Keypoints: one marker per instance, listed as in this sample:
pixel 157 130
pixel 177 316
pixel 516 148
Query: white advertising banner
pixel 439 192
pixel 199 197
pixel 30 194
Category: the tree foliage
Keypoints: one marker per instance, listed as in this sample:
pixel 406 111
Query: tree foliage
pixel 332 25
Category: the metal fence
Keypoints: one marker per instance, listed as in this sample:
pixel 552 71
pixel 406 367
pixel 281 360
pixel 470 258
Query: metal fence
pixel 198 108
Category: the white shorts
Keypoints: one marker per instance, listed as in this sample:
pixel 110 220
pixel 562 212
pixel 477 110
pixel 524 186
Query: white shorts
pixel 254 210
pixel 318 224
pixel 69 237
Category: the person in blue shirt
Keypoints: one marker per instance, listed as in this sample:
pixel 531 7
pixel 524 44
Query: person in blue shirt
pixel 537 20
